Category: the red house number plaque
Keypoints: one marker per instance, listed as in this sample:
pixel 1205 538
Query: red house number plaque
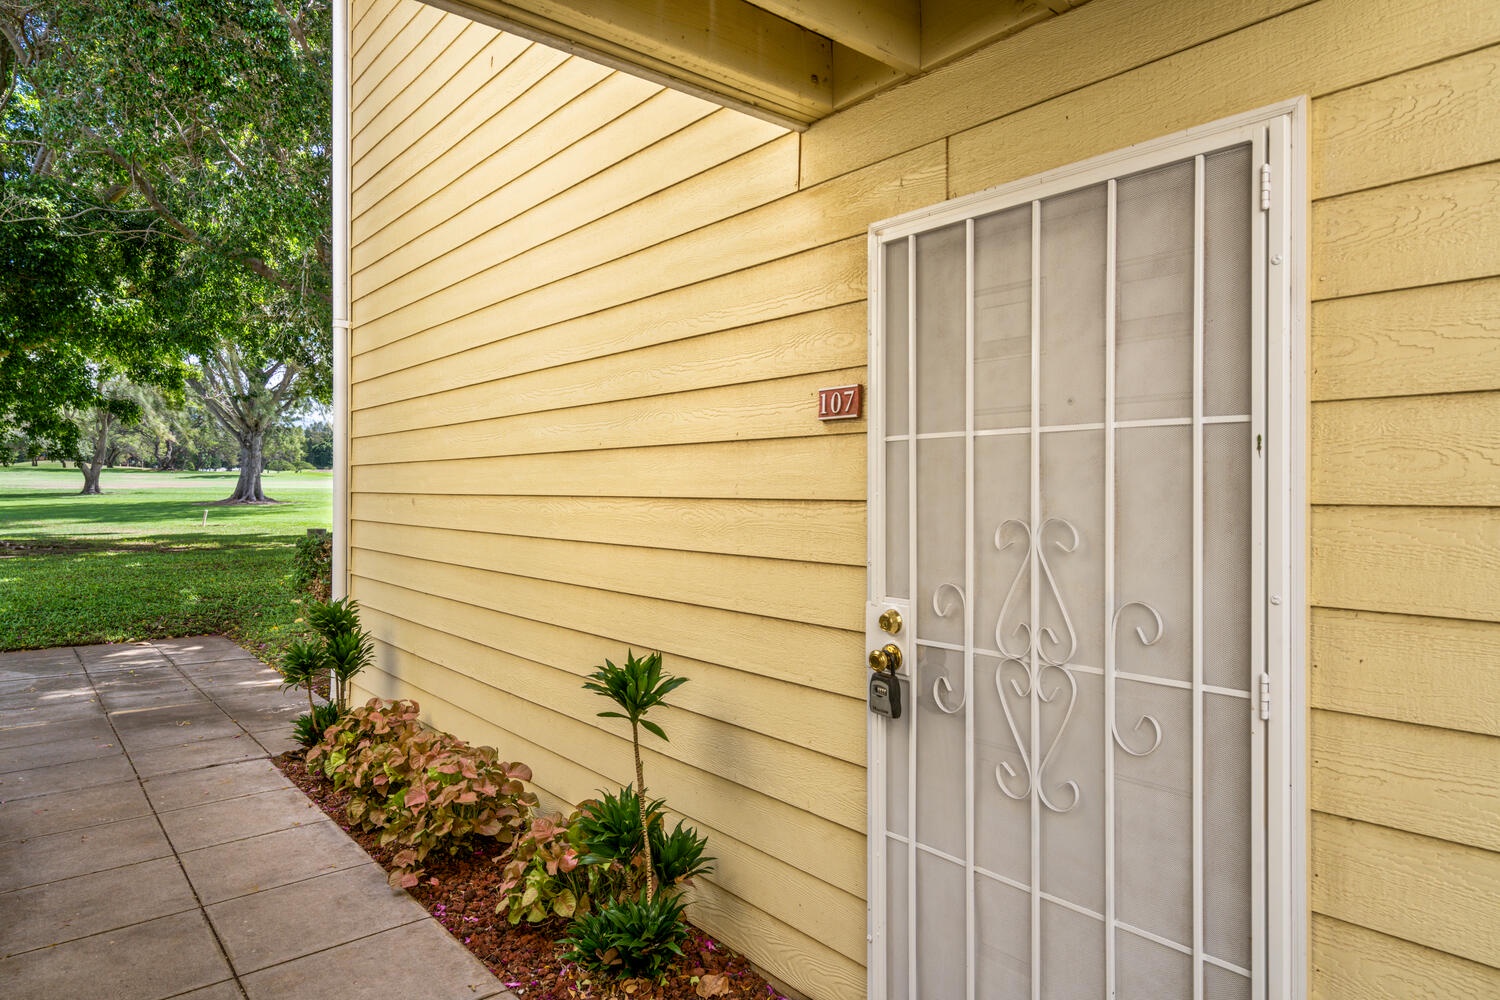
pixel 842 402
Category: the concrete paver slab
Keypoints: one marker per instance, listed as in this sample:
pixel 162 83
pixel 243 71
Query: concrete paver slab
pixel 110 865
pixel 183 789
pixel 416 960
pixel 191 756
pixel 277 925
pixel 42 815
pixel 39 663
pixel 81 852
pixel 236 819
pixel 272 859
pixel 146 961
pixel 46 732
pixel 24 758
pixel 72 710
pixel 49 914
pixel 63 777
pixel 276 742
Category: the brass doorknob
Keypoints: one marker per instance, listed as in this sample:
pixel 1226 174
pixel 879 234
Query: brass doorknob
pixel 890 621
pixel 887 659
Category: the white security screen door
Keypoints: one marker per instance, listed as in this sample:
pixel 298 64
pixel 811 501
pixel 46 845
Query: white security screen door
pixel 1069 483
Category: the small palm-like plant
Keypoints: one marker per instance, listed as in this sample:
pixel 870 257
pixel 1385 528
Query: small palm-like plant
pixel 637 687
pixel 301 665
pixel 347 653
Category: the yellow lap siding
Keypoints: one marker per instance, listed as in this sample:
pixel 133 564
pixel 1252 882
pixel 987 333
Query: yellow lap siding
pixel 1411 342
pixel 1429 450
pixel 821 341
pixel 1417 778
pixel 822 532
pixel 1432 671
pixel 1351 961
pixel 1430 892
pixel 820 278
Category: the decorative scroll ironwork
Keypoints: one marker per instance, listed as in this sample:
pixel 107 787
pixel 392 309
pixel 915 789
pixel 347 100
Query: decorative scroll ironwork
pixel 943 609
pixel 1145 720
pixel 1043 658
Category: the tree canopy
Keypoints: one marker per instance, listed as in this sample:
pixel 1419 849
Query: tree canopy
pixel 166 196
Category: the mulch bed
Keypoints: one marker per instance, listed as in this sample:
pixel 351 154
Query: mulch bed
pixel 462 892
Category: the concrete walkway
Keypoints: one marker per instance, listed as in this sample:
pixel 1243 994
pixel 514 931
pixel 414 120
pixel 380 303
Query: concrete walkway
pixel 149 849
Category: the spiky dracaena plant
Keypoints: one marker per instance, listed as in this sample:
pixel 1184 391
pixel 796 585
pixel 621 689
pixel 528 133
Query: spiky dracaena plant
pixel 637 687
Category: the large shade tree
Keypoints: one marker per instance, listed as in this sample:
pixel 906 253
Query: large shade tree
pixel 205 125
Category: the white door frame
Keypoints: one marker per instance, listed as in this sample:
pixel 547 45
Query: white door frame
pixel 1282 130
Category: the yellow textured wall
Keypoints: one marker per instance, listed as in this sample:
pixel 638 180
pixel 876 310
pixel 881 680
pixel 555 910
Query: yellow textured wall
pixel 591 317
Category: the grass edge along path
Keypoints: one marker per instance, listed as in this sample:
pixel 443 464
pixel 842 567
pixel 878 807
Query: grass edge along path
pixel 141 561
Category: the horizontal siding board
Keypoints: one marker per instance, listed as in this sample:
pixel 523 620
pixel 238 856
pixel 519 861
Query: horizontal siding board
pixel 1353 961
pixel 458 633
pixel 814 656
pixel 826 214
pixel 784 408
pixel 805 842
pixel 1423 232
pixel 1117 37
pixel 1313 50
pixel 822 532
pixel 476 151
pixel 789 957
pixel 1430 892
pixel 813 468
pixel 441 63
pixel 773 588
pixel 580 221
pixel 1428 671
pixel 821 341
pixel 1416 778
pixel 819 279
pixel 1419 450
pixel 1411 342
pixel 423 112
pixel 644 148
pixel 815 784
pixel 1442 562
pixel 1429 120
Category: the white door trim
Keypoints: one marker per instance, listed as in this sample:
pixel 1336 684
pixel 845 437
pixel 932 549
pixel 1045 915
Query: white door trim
pixel 1280 130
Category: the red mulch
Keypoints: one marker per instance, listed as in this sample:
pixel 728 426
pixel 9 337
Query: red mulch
pixel 461 891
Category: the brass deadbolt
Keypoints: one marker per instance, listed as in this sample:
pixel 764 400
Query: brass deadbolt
pixel 887 659
pixel 890 621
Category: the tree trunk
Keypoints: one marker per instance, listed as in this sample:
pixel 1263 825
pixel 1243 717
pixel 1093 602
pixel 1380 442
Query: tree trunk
pixel 101 449
pixel 252 452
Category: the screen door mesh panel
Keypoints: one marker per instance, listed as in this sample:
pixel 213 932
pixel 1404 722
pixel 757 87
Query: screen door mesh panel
pixel 1066 416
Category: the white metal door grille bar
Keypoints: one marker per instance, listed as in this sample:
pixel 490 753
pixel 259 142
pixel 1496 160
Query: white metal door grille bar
pixel 911 569
pixel 970 294
pixel 1198 251
pixel 1035 599
pixel 1110 254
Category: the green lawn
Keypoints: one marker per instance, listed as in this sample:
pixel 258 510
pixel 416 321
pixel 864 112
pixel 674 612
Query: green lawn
pixel 140 562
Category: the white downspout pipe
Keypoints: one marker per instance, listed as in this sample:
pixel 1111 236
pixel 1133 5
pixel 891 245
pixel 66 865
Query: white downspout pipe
pixel 341 301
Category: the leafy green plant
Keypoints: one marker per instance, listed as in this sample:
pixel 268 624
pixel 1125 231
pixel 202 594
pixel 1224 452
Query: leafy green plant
pixel 331 618
pixel 639 937
pixel 308 728
pixel 544 874
pixel 418 788
pixel 637 687
pixel 300 667
pixel 678 856
pixel 312 565
pixel 347 653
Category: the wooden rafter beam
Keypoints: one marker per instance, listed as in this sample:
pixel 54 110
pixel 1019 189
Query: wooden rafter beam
pixel 729 50
pixel 888 31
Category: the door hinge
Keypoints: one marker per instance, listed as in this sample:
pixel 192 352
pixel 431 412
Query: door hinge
pixel 1265 697
pixel 1265 187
